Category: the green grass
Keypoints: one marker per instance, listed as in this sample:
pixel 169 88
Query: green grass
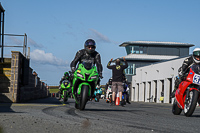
pixel 1 129
pixel 53 90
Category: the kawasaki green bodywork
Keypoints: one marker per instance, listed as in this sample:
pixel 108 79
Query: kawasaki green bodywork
pixel 64 87
pixel 86 77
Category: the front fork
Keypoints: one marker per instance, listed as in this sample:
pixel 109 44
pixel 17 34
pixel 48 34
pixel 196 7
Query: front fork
pixel 187 95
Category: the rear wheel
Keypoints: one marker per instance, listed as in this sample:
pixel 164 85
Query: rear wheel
pixel 175 109
pixel 191 102
pixel 84 96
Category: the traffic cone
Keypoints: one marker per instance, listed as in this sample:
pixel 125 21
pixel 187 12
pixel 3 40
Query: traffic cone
pixel 117 100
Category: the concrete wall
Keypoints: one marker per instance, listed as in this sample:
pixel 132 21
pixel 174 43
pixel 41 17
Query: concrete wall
pixel 151 80
pixel 23 83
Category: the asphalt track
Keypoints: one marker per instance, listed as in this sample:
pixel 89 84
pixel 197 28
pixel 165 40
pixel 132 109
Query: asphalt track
pixel 50 115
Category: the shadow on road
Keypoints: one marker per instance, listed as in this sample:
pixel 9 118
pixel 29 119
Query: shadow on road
pixel 198 116
pixel 5 107
pixel 120 110
pixel 48 100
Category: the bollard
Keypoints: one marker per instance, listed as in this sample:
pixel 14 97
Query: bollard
pixel 117 100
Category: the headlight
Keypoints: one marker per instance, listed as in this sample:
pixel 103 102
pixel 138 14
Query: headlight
pixel 93 77
pixel 80 75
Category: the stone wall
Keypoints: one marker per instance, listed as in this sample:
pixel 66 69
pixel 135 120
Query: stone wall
pixel 19 82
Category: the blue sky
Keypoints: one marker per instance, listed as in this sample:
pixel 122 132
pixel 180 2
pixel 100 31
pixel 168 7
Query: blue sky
pixel 57 29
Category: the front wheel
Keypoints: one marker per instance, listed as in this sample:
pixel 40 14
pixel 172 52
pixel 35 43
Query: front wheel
pixel 191 102
pixel 175 109
pixel 65 98
pixel 97 98
pixel 84 96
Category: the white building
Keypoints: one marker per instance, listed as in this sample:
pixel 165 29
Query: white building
pixel 151 80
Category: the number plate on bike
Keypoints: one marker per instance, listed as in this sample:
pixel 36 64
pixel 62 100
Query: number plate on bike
pixel 196 79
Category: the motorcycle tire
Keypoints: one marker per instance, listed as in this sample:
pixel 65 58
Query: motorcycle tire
pixel 65 98
pixel 175 109
pixel 190 107
pixel 84 96
pixel 97 98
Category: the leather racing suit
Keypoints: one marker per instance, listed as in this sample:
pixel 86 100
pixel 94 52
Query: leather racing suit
pixel 82 55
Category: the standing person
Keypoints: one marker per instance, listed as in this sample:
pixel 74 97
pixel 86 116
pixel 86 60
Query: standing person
pixel 117 79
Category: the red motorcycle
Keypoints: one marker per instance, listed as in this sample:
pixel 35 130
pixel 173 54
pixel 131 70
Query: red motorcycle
pixel 187 95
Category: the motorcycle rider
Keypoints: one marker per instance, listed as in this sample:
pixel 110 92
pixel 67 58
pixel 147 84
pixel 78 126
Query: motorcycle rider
pixel 65 77
pixel 88 54
pixel 183 70
pixel 108 85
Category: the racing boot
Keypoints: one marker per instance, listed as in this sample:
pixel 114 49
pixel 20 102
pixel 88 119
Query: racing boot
pixel 172 95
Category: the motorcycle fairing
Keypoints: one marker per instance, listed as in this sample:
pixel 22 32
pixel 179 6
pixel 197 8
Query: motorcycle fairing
pixel 180 93
pixel 83 76
pixel 80 86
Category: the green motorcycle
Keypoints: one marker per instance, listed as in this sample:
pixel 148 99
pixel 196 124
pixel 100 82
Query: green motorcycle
pixel 84 83
pixel 64 88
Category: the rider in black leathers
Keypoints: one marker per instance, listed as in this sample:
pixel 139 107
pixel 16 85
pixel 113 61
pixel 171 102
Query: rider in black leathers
pixel 183 70
pixel 88 54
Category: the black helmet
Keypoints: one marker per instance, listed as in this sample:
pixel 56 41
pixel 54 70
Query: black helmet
pixel 196 55
pixel 66 74
pixel 110 81
pixel 90 46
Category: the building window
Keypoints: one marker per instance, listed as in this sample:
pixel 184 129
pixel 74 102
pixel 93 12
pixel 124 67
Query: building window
pixel 137 50
pixel 130 69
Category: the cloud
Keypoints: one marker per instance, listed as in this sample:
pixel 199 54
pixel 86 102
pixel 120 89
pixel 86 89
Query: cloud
pixel 39 56
pixel 99 37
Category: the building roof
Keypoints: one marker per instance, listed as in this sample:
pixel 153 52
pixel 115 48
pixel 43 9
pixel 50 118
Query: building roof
pixel 154 43
pixel 148 57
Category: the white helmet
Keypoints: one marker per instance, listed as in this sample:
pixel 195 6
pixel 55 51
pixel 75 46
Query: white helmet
pixel 196 52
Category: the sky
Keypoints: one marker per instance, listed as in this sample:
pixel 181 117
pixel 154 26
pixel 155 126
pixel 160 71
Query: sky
pixel 57 29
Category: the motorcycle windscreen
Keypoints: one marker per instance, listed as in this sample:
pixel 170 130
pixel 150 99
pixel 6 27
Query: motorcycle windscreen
pixel 88 64
pixel 65 83
pixel 196 78
pixel 196 68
